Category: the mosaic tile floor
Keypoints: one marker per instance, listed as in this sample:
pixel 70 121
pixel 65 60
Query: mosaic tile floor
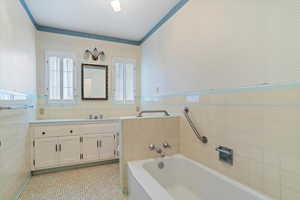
pixel 92 183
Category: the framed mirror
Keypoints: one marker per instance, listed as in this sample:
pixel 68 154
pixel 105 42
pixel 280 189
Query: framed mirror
pixel 94 82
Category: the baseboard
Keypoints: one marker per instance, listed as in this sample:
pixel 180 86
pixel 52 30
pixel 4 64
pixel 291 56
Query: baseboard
pixel 58 169
pixel 22 188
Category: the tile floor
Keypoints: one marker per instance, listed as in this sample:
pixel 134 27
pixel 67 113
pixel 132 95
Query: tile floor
pixel 92 183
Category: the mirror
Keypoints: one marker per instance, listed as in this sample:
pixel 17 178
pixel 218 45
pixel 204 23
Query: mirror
pixel 94 82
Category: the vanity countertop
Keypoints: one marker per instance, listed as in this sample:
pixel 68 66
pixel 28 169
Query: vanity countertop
pixel 116 119
pixel 72 120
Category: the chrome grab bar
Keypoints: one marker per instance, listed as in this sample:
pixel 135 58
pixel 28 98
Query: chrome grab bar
pixel 15 107
pixel 203 139
pixel 153 111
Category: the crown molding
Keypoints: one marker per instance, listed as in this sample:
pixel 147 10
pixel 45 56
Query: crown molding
pixel 49 29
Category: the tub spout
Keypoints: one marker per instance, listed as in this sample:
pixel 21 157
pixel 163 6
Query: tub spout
pixel 158 150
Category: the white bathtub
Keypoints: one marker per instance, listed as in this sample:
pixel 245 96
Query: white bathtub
pixel 183 179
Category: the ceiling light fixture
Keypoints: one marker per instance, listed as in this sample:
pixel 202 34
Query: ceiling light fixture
pixel 116 5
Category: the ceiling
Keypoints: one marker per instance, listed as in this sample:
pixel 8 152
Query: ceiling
pixel 133 22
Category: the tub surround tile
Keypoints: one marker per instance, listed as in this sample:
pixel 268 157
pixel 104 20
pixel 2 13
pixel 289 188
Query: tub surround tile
pixel 272 181
pixel 262 127
pixel 138 133
pixel 288 194
pixel 291 180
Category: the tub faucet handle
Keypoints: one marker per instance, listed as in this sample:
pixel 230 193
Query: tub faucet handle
pixel 151 147
pixel 166 145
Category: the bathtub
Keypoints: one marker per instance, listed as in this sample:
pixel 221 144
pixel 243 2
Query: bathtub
pixel 183 179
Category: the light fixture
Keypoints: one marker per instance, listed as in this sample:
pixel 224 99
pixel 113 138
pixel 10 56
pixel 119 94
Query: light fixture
pixel 95 54
pixel 116 5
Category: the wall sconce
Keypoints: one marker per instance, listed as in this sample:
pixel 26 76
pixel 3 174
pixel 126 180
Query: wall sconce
pixel 95 54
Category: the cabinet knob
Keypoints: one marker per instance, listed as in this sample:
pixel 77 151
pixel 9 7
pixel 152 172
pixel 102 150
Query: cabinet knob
pixel 71 131
pixel 43 133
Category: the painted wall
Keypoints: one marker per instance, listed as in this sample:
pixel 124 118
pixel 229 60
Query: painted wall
pixel 77 46
pixel 17 49
pixel 203 57
pixel 17 73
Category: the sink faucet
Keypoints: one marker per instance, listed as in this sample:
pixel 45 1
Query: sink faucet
pixel 100 116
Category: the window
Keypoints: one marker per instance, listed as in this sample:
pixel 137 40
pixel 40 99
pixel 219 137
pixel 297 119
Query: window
pixel 124 85
pixel 60 78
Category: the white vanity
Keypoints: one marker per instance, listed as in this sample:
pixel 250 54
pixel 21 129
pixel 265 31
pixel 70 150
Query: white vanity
pixel 59 143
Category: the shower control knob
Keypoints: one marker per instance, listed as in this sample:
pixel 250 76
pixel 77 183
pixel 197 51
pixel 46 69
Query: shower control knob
pixel 151 147
pixel 166 145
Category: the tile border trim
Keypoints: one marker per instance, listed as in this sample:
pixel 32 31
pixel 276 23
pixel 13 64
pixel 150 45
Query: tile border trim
pixel 250 88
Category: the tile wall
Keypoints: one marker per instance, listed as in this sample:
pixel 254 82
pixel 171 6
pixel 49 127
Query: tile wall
pixel 262 127
pixel 137 134
pixel 14 152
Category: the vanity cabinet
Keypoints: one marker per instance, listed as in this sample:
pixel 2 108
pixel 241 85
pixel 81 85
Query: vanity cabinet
pixel 65 145
pixel 98 147
pixel 68 150
pixel 45 150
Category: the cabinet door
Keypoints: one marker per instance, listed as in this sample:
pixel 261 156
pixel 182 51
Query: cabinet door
pixel 69 150
pixel 46 152
pixel 90 149
pixel 107 146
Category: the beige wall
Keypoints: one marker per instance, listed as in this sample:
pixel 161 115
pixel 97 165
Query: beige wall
pixel 137 134
pixel 217 45
pixel 77 46
pixel 17 73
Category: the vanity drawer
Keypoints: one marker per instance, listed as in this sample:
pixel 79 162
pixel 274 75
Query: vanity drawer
pixel 55 131
pixel 98 128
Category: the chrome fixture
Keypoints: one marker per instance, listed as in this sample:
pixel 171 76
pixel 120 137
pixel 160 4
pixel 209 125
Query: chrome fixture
pixel 161 165
pixel 153 111
pixel 225 154
pixel 95 54
pixel 151 147
pixel 166 145
pixel 203 139
pixel 100 116
pixel 159 150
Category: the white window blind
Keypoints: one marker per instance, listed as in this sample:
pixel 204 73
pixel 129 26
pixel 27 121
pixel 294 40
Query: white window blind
pixel 60 78
pixel 68 71
pixel 124 81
